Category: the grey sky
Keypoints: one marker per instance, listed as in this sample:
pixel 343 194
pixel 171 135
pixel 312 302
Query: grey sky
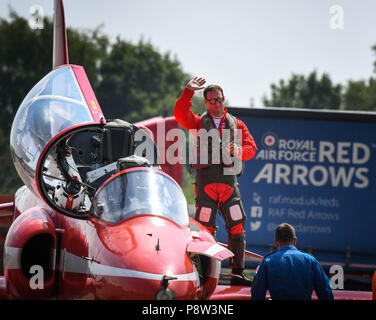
pixel 242 45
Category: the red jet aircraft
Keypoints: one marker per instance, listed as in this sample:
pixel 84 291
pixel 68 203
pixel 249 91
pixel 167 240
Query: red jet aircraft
pixel 96 220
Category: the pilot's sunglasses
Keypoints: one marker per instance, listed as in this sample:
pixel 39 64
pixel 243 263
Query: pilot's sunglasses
pixel 215 100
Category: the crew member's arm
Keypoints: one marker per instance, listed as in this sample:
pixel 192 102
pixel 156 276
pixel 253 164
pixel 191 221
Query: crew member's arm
pixel 260 283
pixel 182 111
pixel 321 283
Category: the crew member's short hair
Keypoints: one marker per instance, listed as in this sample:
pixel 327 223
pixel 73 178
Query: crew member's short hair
pixel 285 233
pixel 212 87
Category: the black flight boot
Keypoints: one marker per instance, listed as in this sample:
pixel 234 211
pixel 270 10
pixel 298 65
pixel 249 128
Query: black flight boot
pixel 239 278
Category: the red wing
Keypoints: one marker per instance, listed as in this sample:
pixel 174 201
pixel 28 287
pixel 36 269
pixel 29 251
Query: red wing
pixel 249 256
pixel 210 249
pixel 223 292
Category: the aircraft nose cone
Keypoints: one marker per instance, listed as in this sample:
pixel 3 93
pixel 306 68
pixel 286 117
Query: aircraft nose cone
pixel 149 258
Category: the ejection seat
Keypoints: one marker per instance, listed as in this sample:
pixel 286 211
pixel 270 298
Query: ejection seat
pixel 99 154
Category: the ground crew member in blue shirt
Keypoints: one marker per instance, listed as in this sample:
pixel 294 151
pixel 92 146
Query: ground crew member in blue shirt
pixel 288 273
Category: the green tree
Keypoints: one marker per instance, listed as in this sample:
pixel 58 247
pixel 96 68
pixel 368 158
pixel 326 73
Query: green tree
pixel 20 50
pixel 139 82
pixel 131 81
pixel 88 49
pixel 309 92
pixel 360 95
pixel 25 57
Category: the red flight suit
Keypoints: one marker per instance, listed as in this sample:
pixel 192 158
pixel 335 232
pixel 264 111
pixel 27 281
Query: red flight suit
pixel 214 190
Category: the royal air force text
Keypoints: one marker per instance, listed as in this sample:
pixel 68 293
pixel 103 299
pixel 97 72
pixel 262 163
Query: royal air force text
pixel 310 163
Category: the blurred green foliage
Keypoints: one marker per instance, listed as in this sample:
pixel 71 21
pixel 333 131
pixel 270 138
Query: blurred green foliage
pixel 308 92
pixel 314 92
pixel 131 81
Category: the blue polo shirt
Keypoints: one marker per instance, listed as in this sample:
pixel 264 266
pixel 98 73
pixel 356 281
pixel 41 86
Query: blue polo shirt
pixel 290 274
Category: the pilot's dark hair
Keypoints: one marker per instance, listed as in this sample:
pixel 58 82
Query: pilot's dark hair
pixel 284 233
pixel 212 87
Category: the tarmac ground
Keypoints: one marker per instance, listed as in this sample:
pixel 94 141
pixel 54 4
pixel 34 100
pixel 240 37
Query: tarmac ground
pixel 351 282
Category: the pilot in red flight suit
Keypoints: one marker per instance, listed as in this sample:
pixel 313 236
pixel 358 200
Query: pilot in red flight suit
pixel 217 188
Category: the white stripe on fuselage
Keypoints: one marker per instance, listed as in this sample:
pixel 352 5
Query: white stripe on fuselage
pixel 75 264
pixel 12 258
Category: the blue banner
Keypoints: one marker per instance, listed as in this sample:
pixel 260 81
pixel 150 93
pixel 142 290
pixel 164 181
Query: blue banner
pixel 317 175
